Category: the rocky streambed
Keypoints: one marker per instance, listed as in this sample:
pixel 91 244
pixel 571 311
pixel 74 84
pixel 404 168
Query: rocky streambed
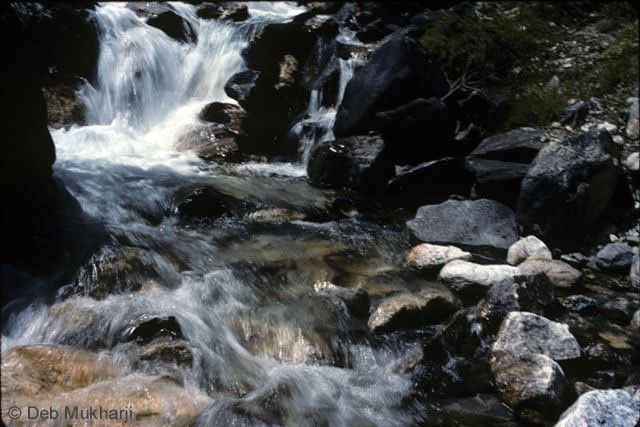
pixel 291 214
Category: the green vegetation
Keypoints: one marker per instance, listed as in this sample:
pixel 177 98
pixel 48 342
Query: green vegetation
pixel 513 48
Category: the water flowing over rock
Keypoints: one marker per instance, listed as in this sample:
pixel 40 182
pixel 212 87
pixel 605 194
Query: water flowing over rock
pixel 568 187
pixel 173 25
pixel 429 256
pixel 526 247
pixel 634 274
pixel 471 223
pixel 401 71
pixel 472 280
pixel 607 408
pixel 524 333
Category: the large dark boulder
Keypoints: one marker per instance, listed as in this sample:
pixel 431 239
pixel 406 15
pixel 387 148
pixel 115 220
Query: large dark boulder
pixel 174 26
pixel 271 91
pixel 518 146
pixel 469 222
pixel 568 187
pixel 357 162
pixel 421 130
pixel 497 180
pixel 399 71
pixel 430 182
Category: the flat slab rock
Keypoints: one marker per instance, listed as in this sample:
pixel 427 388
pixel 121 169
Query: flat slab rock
pixel 428 256
pixel 469 222
pixel 603 408
pixel 523 333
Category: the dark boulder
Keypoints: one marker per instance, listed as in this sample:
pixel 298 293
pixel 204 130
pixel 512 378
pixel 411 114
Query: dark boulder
pixel 273 94
pixel 575 114
pixel 430 182
pixel 357 162
pixel 64 108
pixel 614 257
pixel 229 115
pixel 418 131
pixel 497 180
pixel 174 26
pixel 518 146
pixel 239 86
pixel 147 328
pixel 202 202
pixel 470 223
pixel 211 143
pixel 398 72
pixel 568 187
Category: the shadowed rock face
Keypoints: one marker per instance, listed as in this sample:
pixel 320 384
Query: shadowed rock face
pixel 398 72
pixel 568 187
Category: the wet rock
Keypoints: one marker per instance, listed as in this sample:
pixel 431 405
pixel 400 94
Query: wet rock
pixel 64 108
pixel 533 294
pixel 633 131
pixel 635 321
pixel 431 182
pixel 211 143
pixel 575 114
pixel 47 370
pixel 481 409
pixel 399 127
pixel 526 247
pixel 568 187
pixel 239 86
pixel 471 280
pixel 559 273
pixel 523 333
pixel 603 408
pixel 632 162
pixel 114 271
pixel 497 180
pixel 357 162
pixel 147 328
pixel 275 215
pixel 304 332
pixel 532 384
pixel 199 202
pixel 614 257
pixel 397 72
pixel 355 300
pixel 518 146
pixel 412 311
pixel 278 94
pixel 471 223
pixel 236 12
pixel 174 26
pixel 168 351
pixel 229 115
pixel 634 274
pixel 427 256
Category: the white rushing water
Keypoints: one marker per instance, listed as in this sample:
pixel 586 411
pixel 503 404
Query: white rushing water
pixel 122 165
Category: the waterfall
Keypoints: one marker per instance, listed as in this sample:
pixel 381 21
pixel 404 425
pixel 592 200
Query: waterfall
pixel 123 169
pixel 317 126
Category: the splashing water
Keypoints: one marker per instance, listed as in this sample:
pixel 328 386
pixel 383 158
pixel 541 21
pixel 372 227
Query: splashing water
pixel 122 168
